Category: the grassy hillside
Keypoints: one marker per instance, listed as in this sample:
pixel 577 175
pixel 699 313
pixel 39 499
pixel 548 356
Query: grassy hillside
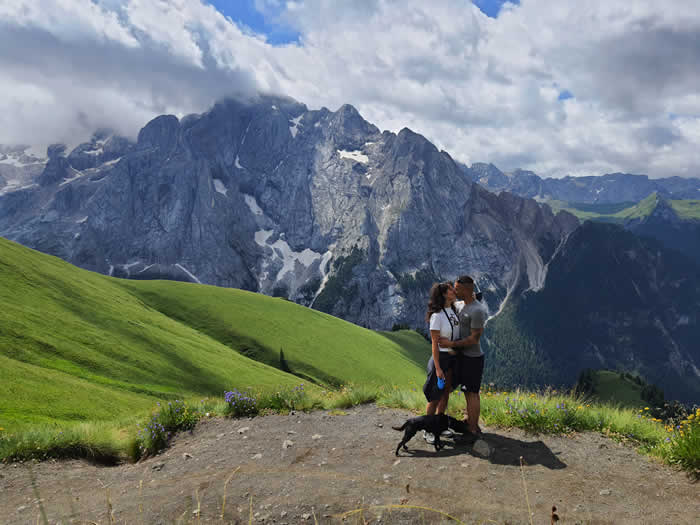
pixel 687 209
pixel 621 212
pixel 314 345
pixel 76 345
pixel 610 387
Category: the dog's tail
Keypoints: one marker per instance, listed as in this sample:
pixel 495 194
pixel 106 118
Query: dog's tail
pixel 402 427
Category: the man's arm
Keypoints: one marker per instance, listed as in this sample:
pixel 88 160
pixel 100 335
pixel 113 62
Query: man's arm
pixel 472 339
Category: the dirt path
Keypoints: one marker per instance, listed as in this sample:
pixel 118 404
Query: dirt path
pixel 337 463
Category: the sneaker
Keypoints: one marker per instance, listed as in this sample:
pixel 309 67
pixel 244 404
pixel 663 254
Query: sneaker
pixel 447 433
pixel 429 438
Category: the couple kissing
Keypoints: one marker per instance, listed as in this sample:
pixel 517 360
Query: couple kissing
pixel 457 319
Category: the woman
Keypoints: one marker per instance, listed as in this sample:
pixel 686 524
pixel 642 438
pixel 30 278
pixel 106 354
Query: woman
pixel 444 322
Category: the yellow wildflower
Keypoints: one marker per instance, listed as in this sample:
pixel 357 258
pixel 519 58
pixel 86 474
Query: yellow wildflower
pixel 646 408
pixel 691 416
pixel 580 407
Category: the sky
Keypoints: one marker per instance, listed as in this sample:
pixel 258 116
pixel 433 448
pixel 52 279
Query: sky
pixel 572 87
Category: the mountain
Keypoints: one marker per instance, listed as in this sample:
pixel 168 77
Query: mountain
pixel 675 223
pixel 316 206
pixel 611 300
pixel 604 189
pixel 324 209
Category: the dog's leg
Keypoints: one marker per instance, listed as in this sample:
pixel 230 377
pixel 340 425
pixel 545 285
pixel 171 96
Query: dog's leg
pixel 408 434
pixel 438 443
pixel 406 438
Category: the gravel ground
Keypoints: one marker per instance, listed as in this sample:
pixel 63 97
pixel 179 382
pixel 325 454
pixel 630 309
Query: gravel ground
pixel 302 468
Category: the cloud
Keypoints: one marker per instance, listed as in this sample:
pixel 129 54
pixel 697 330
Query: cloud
pixel 483 89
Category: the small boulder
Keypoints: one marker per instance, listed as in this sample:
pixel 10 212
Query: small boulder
pixel 482 448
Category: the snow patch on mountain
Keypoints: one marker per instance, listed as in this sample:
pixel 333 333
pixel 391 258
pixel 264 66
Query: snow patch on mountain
pixel 355 155
pixel 76 175
pixel 294 128
pixel 189 274
pixel 253 205
pixel 219 187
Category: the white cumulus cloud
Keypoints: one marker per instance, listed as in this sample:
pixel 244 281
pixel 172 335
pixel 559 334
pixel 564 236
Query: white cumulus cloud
pixel 483 89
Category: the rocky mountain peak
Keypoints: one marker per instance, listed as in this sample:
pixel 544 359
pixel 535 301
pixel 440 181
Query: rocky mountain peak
pixel 56 150
pixel 347 125
pixel 161 132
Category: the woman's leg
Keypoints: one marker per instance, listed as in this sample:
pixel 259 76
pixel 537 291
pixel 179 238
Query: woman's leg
pixel 442 404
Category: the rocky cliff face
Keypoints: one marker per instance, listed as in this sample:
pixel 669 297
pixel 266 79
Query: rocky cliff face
pixel 665 225
pixel 317 206
pixel 611 300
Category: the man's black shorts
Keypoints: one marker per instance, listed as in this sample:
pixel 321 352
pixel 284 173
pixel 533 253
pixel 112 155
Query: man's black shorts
pixel 430 388
pixel 469 373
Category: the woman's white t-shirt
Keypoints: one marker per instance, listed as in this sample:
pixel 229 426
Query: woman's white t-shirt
pixel 448 323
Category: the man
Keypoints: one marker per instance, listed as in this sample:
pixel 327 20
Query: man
pixel 470 367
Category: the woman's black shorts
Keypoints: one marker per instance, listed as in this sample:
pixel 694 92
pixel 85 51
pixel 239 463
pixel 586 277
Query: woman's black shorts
pixel 430 388
pixel 469 372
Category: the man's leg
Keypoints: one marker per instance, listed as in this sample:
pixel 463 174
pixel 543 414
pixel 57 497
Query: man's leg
pixel 473 411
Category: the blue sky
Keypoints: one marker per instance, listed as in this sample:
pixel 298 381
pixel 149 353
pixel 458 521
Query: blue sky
pixel 245 12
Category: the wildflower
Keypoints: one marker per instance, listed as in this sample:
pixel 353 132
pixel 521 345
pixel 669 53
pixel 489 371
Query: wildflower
pixel 668 439
pixel 646 408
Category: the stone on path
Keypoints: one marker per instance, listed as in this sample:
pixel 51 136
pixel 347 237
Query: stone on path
pixel 482 448
pixel 243 429
pixel 316 436
pixel 605 492
pixel 287 443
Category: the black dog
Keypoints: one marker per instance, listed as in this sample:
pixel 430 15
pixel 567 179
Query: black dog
pixel 436 425
pixel 457 425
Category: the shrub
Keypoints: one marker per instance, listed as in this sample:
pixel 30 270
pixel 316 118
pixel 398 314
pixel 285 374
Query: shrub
pixel 240 404
pixel 285 400
pixel 682 445
pixel 155 435
pixel 352 395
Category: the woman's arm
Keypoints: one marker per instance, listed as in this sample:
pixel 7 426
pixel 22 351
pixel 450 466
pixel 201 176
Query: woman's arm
pixel 434 338
pixel 472 339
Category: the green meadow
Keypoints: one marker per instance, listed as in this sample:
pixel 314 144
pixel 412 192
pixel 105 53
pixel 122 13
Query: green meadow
pixel 78 346
pixel 622 212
